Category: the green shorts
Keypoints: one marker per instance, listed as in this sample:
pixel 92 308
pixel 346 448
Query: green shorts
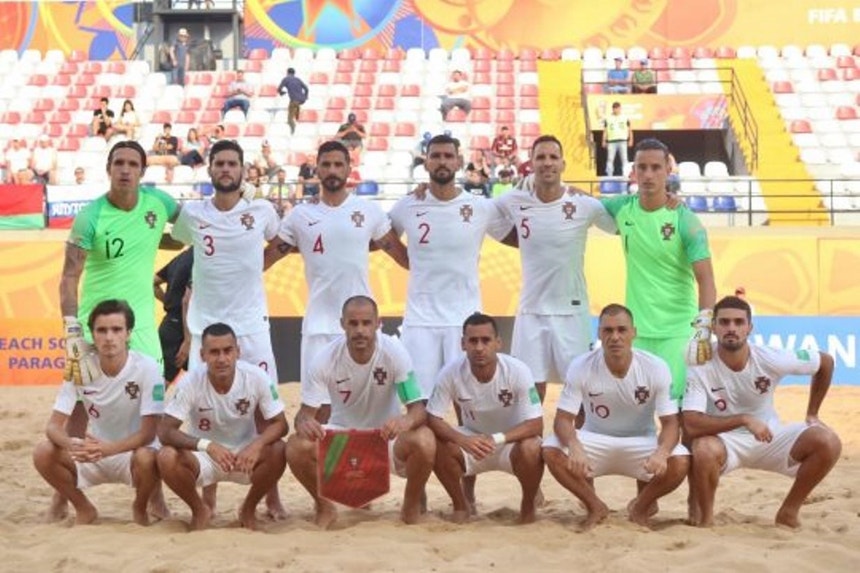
pixel 673 351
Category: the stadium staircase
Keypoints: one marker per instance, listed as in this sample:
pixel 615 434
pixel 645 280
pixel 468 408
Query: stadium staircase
pixel 788 203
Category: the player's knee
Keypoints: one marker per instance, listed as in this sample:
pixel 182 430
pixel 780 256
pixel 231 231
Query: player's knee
pixel 707 449
pixel 44 454
pixel 299 448
pixel 678 465
pixel 144 458
pixel 823 441
pixel 422 440
pixel 167 458
pixel 553 457
pixel 529 450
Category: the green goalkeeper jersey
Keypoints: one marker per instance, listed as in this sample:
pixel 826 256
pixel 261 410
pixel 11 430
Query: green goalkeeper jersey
pixel 660 248
pixel 121 248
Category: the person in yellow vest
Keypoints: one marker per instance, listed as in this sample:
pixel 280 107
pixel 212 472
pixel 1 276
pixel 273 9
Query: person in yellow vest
pixel 617 137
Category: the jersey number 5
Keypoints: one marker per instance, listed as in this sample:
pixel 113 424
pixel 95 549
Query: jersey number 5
pixel 525 229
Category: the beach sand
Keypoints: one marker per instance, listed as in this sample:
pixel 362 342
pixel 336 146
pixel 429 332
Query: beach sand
pixel 744 538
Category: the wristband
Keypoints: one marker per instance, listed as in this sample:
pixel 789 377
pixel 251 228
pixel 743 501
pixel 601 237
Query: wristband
pixel 203 444
pixel 498 438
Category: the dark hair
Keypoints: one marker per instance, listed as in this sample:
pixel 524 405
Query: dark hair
pixel 226 145
pixel 479 318
pixel 104 100
pixel 615 309
pixel 444 140
pixel 167 125
pixel 128 144
pixel 217 329
pixel 111 306
pixel 733 302
pixel 129 102
pixel 333 145
pixel 616 104
pixel 651 144
pixel 359 299
pixel 547 139
pixel 291 71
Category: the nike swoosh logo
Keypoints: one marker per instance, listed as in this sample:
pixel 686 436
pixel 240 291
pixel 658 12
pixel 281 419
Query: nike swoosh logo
pixel 524 207
pixel 312 223
pixel 204 409
pixel 464 399
pixel 420 213
pixel 203 226
pixel 341 381
pixel 628 223
pixel 594 394
pixel 718 389
pixel 90 392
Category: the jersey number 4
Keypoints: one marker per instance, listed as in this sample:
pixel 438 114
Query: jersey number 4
pixel 318 245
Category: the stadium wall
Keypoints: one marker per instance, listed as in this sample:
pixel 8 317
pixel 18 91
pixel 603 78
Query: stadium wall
pixel 804 286
pixel 105 29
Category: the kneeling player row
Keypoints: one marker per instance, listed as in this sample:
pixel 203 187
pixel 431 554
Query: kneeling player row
pixel 234 421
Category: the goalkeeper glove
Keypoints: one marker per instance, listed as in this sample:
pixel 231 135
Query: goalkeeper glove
pixel 82 365
pixel 699 349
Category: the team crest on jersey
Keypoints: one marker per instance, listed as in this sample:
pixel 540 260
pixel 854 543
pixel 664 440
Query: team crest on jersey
pixel 247 221
pixel 466 212
pixel 380 375
pixel 641 394
pixel 568 208
pixel 667 231
pixel 506 397
pixel 358 218
pixel 150 218
pixel 242 406
pixel 762 384
pixel 133 390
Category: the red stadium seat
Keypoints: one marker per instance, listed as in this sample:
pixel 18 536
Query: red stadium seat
pixel 255 130
pixel 849 74
pixel 392 66
pixel 377 144
pixel 343 79
pixel 200 78
pixel 78 130
pixel 364 90
pixel 61 117
pixel 85 80
pixel 380 130
pixel 370 54
pixel 43 105
pixel 482 78
pixel 35 117
pixel 783 87
pixel 528 90
pixel 92 67
pixel 37 80
pixel 800 126
pixel 268 90
pixel 479 116
pixel 527 142
pixel 116 67
pixel 366 78
pixel 337 103
pixel 344 66
pixel 505 90
pixel 54 130
pixel 856 50
pixel 70 104
pixel 505 116
pixel 100 91
pixel 215 103
pixel 231 130
pixel 528 66
pixel 680 53
pixel 703 52
pixel 528 54
pixel 124 92
pixel 209 117
pixel 225 78
pixel 726 52
pixel 550 55
pixel 846 112
pixel 479 142
pixel 456 115
pixel 384 103
pixel 530 129
pixel 505 54
pixel 258 54
pixel 845 62
pixel 529 103
pixel 658 53
pixel 10 118
pixel 597 88
pixel 349 54
pixel 504 78
pixel 482 66
pixel 368 66
pixel 187 116
pixel 61 80
pixel 826 74
pixel 387 90
pixel 659 64
pixel 68 69
pixel 505 66
pixel 505 103
pixel 395 54
pixel 69 144
pixel 76 56
pixel 405 130
pixel 161 116
pixel 318 78
pixel 333 116
pixel 360 103
pixel 680 63
pixel 482 54
pixel 410 90
pixel 480 103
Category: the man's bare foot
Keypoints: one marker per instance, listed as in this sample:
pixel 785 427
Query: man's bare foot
pixel 460 516
pixel 210 496
pixel 787 517
pixel 540 500
pixel 594 517
pixel 275 510
pixel 694 514
pixel 139 513
pixel 637 515
pixel 527 513
pixel 59 508
pixel 86 515
pixel 200 519
pixel 411 513
pixel 326 514
pixel 248 518
pixel 157 506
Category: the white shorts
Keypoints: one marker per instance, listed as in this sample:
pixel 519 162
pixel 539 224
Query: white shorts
pixel 744 451
pixel 210 472
pixel 312 344
pixel 255 348
pixel 112 469
pixel 396 466
pixel 548 343
pixel 431 348
pixel 499 460
pixel 613 455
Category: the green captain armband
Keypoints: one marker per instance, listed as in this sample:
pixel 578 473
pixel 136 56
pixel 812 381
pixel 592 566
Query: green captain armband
pixel 408 390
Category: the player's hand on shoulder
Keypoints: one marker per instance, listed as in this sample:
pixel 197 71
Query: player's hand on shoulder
pixel 420 191
pixel 527 183
pixel 699 349
pixel 573 191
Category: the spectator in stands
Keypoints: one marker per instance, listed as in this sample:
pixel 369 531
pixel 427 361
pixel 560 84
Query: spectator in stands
pixel 165 149
pixel 456 95
pixel 617 137
pixel 43 162
pixel 280 193
pixel 18 163
pixel 128 122
pixel 193 150
pixel 504 148
pixel 253 186
pixel 419 153
pixel 80 176
pixel 213 134
pixel 240 93
pixel 525 169
pixel 644 79
pixel 618 78
pixel 297 92
pixel 180 56
pixel 103 120
pixel 504 183
pixel 478 175
pixel 351 133
pixel 309 183
pixel 266 162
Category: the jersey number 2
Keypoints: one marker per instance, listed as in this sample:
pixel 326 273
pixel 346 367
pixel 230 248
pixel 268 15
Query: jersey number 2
pixel 425 234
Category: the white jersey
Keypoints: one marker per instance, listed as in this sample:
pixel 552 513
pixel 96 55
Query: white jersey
pixel 717 390
pixel 227 419
pixel 362 396
pixel 507 400
pixel 227 274
pixel 115 404
pixel 334 243
pixel 622 407
pixel 444 241
pixel 552 248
